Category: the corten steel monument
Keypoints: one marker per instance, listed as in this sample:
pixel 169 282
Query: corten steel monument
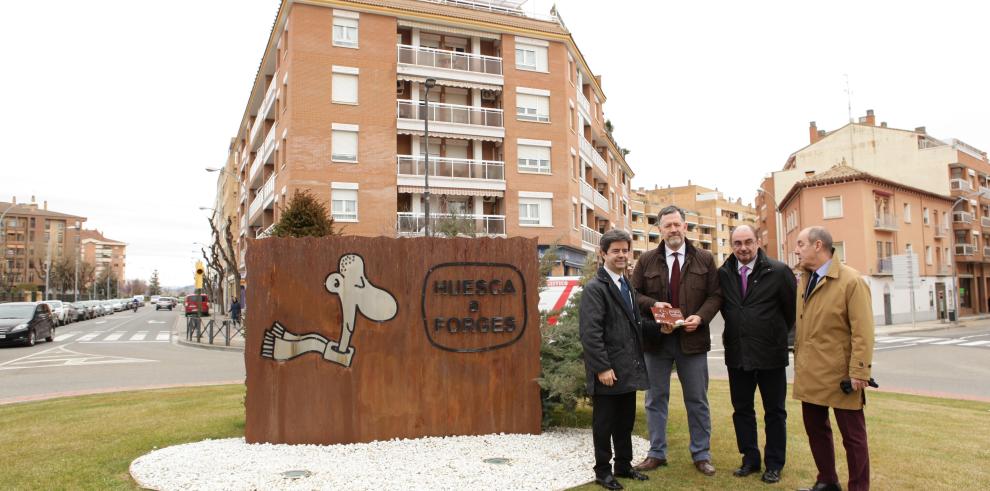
pixel 354 339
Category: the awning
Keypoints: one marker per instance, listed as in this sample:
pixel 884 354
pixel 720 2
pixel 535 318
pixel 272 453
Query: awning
pixel 448 30
pixel 451 83
pixel 452 191
pixel 441 134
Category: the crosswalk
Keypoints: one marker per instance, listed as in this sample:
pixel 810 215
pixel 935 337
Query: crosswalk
pixel 892 342
pixel 95 337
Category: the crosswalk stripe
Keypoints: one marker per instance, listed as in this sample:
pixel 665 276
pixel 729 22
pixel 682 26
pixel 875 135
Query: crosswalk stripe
pixel 64 336
pixel 90 336
pixel 139 336
pixel 950 341
pixel 162 336
pixel 115 336
pixel 976 343
pixel 893 340
pixel 927 340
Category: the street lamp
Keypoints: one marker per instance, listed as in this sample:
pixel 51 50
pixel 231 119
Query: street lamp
pixel 430 83
pixel 75 284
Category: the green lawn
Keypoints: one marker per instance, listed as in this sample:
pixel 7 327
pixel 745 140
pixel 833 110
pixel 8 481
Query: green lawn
pixel 88 442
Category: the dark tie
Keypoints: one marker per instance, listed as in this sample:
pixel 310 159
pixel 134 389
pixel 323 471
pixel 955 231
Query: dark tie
pixel 675 282
pixel 624 288
pixel 811 285
pixel 743 277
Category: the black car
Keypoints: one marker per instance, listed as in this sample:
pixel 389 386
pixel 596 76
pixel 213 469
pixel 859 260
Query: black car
pixel 25 322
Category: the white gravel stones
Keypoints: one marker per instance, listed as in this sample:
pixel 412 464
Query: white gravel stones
pixel 557 459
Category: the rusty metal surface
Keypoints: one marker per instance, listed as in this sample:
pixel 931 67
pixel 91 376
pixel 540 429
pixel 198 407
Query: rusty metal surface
pixel 354 339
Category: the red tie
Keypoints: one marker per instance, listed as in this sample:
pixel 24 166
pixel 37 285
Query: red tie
pixel 675 283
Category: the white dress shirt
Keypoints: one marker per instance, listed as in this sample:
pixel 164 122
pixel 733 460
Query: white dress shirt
pixel 615 279
pixel 670 258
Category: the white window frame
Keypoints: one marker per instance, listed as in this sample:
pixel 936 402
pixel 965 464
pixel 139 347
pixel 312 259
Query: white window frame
pixel 926 216
pixel 928 255
pixel 840 250
pixel 907 212
pixel 825 201
pixel 535 209
pixel 339 76
pixel 524 52
pixel 346 29
pixel 531 165
pixel 528 106
pixel 341 130
pixel 532 54
pixel 338 207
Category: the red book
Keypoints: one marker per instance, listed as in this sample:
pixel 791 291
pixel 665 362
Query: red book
pixel 668 315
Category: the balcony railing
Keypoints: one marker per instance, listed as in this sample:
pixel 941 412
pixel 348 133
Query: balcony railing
pixel 965 249
pixel 583 103
pixel 885 222
pixel 449 60
pixel 589 152
pixel 960 185
pixel 450 113
pixel 885 265
pixel 941 231
pixel 266 232
pixel 986 251
pixel 266 104
pixel 415 165
pixel 985 221
pixel 962 217
pixel 985 192
pixel 943 270
pixel 415 223
pixel 601 201
pixel 496 7
pixel 588 192
pixel 261 157
pixel 591 237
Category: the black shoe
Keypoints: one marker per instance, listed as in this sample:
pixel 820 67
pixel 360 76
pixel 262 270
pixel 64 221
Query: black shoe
pixel 771 476
pixel 608 482
pixel 633 474
pixel 745 470
pixel 821 486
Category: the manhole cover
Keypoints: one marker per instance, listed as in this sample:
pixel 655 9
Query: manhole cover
pixel 496 460
pixel 296 474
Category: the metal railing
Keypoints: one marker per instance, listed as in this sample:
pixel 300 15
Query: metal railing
pixel 985 221
pixel 495 7
pixel 960 185
pixel 583 103
pixel 588 150
pixel 266 105
pixel 588 192
pixel 885 222
pixel 962 217
pixel 261 157
pixel 601 201
pixel 885 265
pixel 450 113
pixel 965 249
pixel 450 60
pixel 265 233
pixel 590 236
pixel 411 224
pixel 266 193
pixel 212 329
pixel 415 165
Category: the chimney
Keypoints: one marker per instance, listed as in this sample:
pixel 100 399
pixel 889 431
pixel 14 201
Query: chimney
pixel 13 200
pixel 32 198
pixel 813 132
pixel 883 124
pixel 920 129
pixel 870 118
pixel 46 205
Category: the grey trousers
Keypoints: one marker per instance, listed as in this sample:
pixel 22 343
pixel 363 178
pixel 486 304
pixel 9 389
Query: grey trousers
pixel 692 371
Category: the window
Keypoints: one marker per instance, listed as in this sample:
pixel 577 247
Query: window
pixel 344 143
pixel 907 212
pixel 526 57
pixel 531 54
pixel 832 207
pixel 343 201
pixel 344 85
pixel 925 216
pixel 531 107
pixel 928 255
pixel 534 158
pixel 345 29
pixel 535 209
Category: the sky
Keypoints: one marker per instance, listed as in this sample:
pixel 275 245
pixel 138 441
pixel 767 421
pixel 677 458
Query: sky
pixel 114 109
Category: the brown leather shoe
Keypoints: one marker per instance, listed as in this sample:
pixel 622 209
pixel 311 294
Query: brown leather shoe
pixel 705 467
pixel 650 463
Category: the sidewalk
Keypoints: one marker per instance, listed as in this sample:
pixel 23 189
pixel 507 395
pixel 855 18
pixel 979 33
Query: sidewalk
pixel 882 330
pixel 219 343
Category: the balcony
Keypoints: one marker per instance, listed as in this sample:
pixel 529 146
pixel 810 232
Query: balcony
pixel 943 270
pixel 962 217
pixel 584 105
pixel 413 224
pixel 986 252
pixel 266 232
pixel 885 265
pixel 262 157
pixel 601 201
pixel 589 152
pixel 264 198
pixel 960 185
pixel 451 168
pixel 984 192
pixel 985 222
pixel 885 222
pixel 965 249
pixel 941 231
pixel 266 106
pixel 590 237
pixel 450 118
pixel 439 63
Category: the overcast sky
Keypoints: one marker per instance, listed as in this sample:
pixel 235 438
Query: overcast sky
pixel 114 108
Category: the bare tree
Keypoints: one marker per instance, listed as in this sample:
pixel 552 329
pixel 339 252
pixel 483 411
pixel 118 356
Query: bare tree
pixel 224 250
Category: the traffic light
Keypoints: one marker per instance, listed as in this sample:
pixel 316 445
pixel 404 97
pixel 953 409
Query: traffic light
pixel 199 275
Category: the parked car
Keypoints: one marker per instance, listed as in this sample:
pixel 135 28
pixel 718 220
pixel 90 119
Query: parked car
pixel 164 303
pixel 82 313
pixel 154 299
pixel 58 311
pixel 197 303
pixel 25 322
pixel 69 316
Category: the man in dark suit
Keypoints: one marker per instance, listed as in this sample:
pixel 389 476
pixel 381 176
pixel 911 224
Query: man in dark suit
pixel 679 275
pixel 611 335
pixel 758 303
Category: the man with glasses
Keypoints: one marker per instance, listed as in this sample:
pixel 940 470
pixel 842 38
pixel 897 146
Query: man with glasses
pixel 758 304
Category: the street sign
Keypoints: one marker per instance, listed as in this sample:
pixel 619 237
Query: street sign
pixel 906 272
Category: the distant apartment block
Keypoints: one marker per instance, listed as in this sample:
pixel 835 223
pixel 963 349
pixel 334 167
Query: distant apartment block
pixel 106 255
pixel 518 144
pixel 33 236
pixel 927 195
pixel 711 217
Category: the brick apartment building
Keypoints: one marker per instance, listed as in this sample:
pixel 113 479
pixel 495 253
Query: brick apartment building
pixel 33 235
pixel 711 217
pixel 518 142
pixel 946 182
pixel 104 254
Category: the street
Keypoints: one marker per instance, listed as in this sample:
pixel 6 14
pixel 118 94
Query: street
pixel 122 351
pixel 947 362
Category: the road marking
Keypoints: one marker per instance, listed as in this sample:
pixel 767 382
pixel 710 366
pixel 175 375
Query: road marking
pixel 162 336
pixel 139 336
pixel 64 336
pixel 60 356
pixel 893 340
pixel 156 322
pixel 90 336
pixel 976 343
pixel 115 336
pixel 927 340
pixel 950 341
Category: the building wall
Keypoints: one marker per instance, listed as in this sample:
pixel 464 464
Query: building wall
pixel 31 236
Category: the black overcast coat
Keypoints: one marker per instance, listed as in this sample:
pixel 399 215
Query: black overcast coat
pixel 611 336
pixel 756 327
